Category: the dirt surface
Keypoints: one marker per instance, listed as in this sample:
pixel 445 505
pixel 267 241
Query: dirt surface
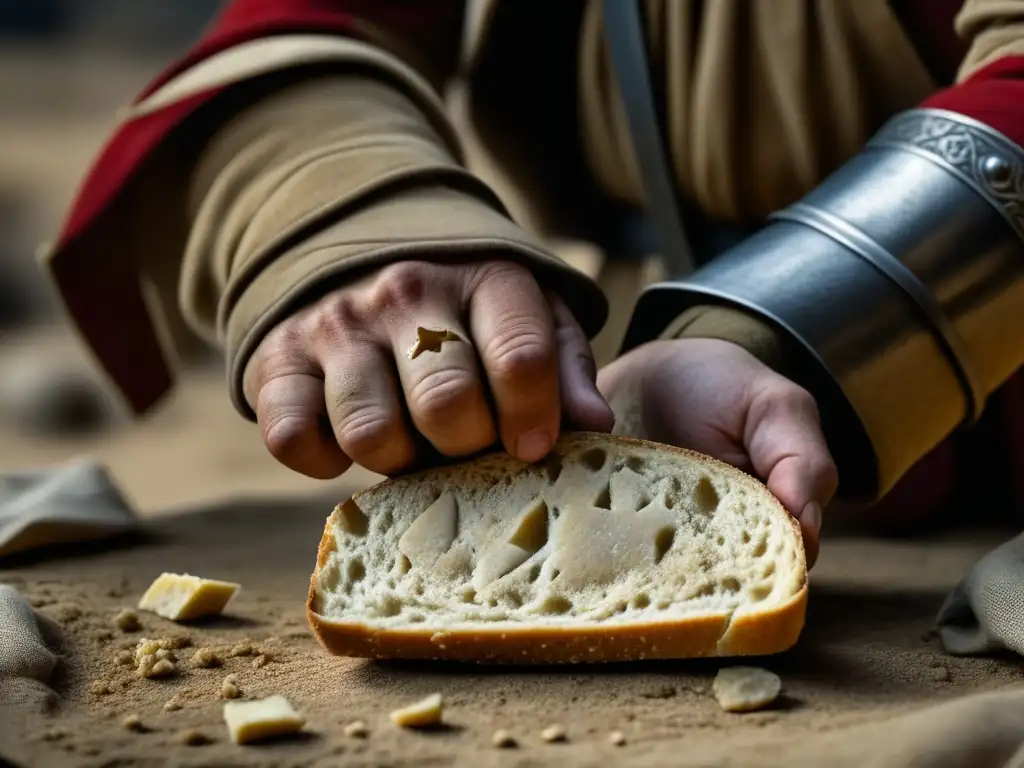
pixel 864 656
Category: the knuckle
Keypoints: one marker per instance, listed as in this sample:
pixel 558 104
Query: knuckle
pixel 442 394
pixel 521 353
pixel 366 431
pixel 399 286
pixel 331 317
pixel 286 435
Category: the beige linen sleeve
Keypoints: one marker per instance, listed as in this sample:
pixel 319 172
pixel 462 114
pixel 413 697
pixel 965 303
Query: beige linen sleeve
pixel 315 184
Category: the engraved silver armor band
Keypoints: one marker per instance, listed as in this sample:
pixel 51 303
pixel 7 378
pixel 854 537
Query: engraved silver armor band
pixel 901 281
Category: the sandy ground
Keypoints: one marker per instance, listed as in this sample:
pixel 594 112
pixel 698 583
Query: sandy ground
pixel 218 505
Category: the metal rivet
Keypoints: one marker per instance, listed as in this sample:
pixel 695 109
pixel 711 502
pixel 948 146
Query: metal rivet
pixel 996 169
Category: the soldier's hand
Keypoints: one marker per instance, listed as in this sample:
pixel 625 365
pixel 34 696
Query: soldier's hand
pixel 420 357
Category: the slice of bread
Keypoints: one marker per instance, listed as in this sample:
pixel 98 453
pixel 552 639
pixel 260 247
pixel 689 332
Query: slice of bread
pixel 611 549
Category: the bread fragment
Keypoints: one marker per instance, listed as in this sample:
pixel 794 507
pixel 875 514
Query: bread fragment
pixel 181 597
pixel 421 714
pixel 262 719
pixel 746 689
pixel 611 549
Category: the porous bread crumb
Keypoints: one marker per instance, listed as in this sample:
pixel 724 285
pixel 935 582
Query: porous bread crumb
pixel 124 658
pixel 502 739
pixel 242 649
pixel 173 704
pixel 162 654
pixel 421 714
pixel 205 658
pixel 127 620
pixel 194 738
pixel 554 734
pixel 99 688
pixel 746 689
pixel 182 597
pixel 229 688
pixel 162 668
pixel 132 723
pixel 617 738
pixel 250 721
pixel 357 730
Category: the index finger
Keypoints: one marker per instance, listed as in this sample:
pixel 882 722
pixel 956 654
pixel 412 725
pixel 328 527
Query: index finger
pixel 513 330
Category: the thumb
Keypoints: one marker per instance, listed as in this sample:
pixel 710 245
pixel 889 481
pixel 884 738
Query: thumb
pixel 785 443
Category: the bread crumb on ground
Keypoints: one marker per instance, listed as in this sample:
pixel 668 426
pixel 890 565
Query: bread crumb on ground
pixel 127 620
pixel 422 714
pixel 617 738
pixel 242 649
pixel 357 730
pixel 502 739
pixel 262 660
pixel 229 688
pixel 124 658
pixel 173 704
pixel 132 723
pixel 193 738
pixel 206 658
pixel 261 719
pixel 746 689
pixel 554 734
pixel 100 688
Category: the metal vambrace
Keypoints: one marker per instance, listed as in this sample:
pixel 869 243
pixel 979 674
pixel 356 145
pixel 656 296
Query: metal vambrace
pixel 898 285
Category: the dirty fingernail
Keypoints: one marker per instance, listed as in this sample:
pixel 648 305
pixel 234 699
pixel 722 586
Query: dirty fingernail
pixel 533 446
pixel 810 517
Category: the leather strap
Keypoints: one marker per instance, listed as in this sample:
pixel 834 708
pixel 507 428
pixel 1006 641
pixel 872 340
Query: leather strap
pixel 624 32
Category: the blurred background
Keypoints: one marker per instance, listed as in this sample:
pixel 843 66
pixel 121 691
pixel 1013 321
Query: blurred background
pixel 66 68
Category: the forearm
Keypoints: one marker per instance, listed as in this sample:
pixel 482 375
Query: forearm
pixel 316 184
pixel 892 288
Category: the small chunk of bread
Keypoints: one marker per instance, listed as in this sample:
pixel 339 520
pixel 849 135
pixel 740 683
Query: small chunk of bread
pixel 261 719
pixel 182 597
pixel 746 689
pixel 423 714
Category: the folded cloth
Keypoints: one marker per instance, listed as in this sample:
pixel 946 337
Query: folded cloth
pixel 71 504
pixel 26 662
pixel 985 612
pixel 979 731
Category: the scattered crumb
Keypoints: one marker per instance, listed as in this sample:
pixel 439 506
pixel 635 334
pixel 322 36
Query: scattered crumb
pixel 421 714
pixel 193 738
pixel 173 704
pixel 941 674
pixel 127 620
pixel 242 649
pixel 554 734
pixel 206 658
pixel 132 723
pixel 745 689
pixel 182 597
pixel 261 719
pixel 261 661
pixel 229 688
pixel 357 730
pixel 617 738
pixel 162 654
pixel 124 658
pixel 100 688
pixel 502 739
